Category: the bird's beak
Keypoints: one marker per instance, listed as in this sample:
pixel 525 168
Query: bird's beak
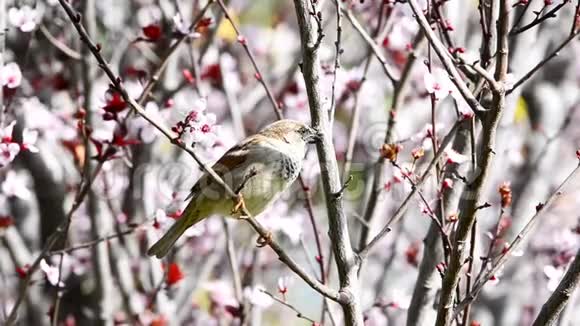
pixel 316 137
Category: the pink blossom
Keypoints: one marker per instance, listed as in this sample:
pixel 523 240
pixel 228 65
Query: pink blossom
pixel 554 275
pixel 52 273
pixel 375 317
pixel 406 171
pixel 399 300
pixel 437 83
pixel 221 293
pixel 257 297
pixel 283 283
pixel 10 75
pixel 8 152
pixel 205 132
pixel 276 219
pixel 25 18
pixel 182 26
pixel 447 183
pixel 402 33
pixel 6 133
pixel 14 185
pixel 454 157
pixel 197 126
pixel 29 138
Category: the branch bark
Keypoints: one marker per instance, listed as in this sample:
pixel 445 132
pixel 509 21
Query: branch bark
pixel 473 191
pixel 446 60
pixel 347 261
pixel 103 296
pixel 428 277
pixel 553 307
pixel 399 95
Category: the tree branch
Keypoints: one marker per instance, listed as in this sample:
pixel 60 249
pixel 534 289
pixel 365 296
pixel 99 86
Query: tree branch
pixel 118 85
pixel 501 260
pixel 544 61
pixel 346 260
pixel 446 60
pixel 474 190
pixel 371 43
pixel 364 252
pixel 399 94
pixel 553 307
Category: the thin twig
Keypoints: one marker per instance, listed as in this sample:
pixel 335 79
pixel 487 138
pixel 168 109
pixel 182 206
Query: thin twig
pixel 116 81
pixel 94 242
pixel 371 43
pixel 514 245
pixel 542 63
pixel 551 310
pixel 3 31
pixel 469 276
pixel 474 190
pixel 337 54
pixel 261 78
pixel 50 243
pixel 522 13
pixel 539 19
pixel 354 120
pixel 259 75
pixel 430 212
pixel 402 208
pixel 60 45
pixel 399 94
pixel 233 263
pixel 286 304
pixel 309 209
pixel 165 61
pixel 446 60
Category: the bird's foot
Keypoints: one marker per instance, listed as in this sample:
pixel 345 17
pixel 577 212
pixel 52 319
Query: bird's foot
pixel 239 207
pixel 265 240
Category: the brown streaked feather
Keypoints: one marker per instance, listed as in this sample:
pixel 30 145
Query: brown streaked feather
pixel 233 158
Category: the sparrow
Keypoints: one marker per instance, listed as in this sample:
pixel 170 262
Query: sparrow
pixel 258 169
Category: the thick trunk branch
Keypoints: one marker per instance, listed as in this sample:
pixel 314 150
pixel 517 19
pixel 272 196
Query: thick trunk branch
pixel 346 260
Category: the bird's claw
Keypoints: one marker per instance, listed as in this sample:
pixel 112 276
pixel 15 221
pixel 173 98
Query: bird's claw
pixel 264 240
pixel 239 206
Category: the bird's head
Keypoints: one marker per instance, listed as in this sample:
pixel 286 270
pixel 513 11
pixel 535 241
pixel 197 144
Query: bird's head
pixel 293 132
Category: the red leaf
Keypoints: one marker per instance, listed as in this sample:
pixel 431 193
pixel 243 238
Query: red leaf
pixel 159 320
pixel 115 102
pixel 152 32
pixel 175 215
pixel 188 76
pixel 233 310
pixel 386 42
pixel 412 253
pixel 174 274
pixel 353 85
pixel 213 73
pixel 203 23
pixel 22 271
pixel 119 140
pixel 6 221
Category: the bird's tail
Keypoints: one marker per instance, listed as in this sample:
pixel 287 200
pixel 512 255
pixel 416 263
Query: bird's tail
pixel 163 245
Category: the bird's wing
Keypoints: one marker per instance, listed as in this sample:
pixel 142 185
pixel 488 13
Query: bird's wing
pixel 235 158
